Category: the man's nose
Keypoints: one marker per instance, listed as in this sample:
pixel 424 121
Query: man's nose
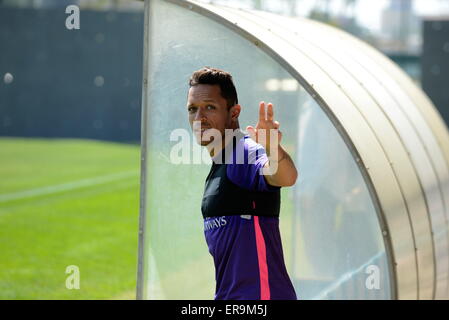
pixel 199 115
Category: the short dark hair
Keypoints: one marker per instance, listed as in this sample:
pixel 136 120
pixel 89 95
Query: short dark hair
pixel 212 76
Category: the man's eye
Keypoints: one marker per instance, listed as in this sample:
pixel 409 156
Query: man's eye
pixel 191 109
pixel 210 107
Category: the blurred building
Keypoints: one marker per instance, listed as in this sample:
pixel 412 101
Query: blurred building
pixel 435 63
pixel 400 28
pixel 38 3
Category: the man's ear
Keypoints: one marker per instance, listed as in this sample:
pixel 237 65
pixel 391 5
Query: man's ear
pixel 235 112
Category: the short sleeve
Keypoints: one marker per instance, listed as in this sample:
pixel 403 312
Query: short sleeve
pixel 247 174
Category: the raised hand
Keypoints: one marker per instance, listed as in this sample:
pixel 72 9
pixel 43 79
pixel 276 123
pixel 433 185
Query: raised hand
pixel 265 127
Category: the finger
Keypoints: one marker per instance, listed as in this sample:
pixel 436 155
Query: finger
pixel 262 111
pixel 270 112
pixel 276 124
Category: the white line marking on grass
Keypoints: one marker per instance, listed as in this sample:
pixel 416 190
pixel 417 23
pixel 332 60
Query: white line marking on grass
pixel 67 186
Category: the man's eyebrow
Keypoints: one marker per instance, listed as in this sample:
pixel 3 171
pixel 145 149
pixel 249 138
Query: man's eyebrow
pixel 206 100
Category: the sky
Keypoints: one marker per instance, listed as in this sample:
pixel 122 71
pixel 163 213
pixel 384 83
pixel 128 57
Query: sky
pixel 368 12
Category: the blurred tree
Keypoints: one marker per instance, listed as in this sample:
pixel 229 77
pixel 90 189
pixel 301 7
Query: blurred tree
pixel 349 7
pixel 292 6
pixel 257 4
pixel 320 11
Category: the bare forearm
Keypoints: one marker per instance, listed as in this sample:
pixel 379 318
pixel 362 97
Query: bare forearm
pixel 284 172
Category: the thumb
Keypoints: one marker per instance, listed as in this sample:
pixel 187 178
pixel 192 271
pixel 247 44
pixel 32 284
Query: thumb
pixel 251 132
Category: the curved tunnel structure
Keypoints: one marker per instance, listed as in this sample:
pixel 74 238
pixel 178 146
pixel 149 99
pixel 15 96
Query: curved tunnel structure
pixel 369 215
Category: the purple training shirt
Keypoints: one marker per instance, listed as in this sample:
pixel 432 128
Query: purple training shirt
pixel 247 249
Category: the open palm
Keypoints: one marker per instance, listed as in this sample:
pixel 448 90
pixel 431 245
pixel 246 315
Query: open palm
pixel 265 127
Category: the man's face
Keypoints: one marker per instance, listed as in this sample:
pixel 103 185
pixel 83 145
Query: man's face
pixel 207 110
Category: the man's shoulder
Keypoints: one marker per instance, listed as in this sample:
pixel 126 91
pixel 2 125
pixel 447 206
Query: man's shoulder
pixel 247 152
pixel 252 145
pixel 245 142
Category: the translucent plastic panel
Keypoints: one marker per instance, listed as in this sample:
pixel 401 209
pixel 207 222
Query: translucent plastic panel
pixel 318 224
pixel 339 243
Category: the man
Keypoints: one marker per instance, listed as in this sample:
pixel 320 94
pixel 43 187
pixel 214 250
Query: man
pixel 241 206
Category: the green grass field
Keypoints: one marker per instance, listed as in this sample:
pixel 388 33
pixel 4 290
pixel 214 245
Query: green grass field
pixel 68 202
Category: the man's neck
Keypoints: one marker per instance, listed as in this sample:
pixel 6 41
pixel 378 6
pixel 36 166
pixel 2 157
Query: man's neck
pixel 214 150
